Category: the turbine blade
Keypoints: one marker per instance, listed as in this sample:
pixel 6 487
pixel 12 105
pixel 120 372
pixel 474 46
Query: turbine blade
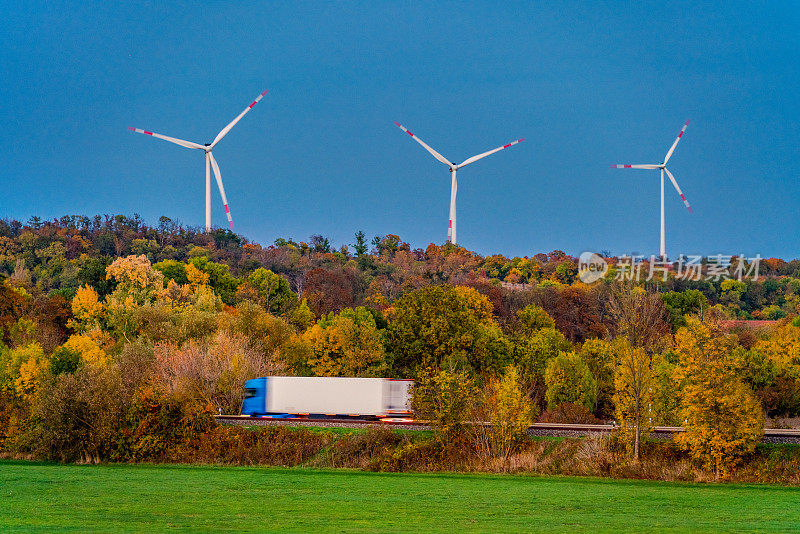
pixel 218 176
pixel 634 166
pixel 426 147
pixel 678 189
pixel 672 148
pixel 187 144
pixel 479 156
pixel 227 129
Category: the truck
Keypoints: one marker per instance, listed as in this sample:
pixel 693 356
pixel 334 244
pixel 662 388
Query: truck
pixel 298 396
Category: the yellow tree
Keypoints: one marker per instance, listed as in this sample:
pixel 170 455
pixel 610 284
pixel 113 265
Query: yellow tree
pixel 633 382
pixel 346 344
pixel 24 368
pixel 88 349
pixel 138 284
pixel 86 309
pixel 723 419
pixel 509 412
pixel 782 347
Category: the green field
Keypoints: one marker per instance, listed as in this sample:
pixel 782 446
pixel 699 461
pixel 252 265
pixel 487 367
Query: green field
pixel 36 496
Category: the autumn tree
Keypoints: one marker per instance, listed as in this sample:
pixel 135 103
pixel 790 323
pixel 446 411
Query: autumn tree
pixel 633 384
pixel 212 371
pixel 640 317
pixel 723 419
pixel 445 398
pixel 328 291
pixel 87 310
pixel 568 379
pixel 509 412
pixel 578 311
pixel 273 289
pixel 445 327
pixel 599 355
pixel 347 344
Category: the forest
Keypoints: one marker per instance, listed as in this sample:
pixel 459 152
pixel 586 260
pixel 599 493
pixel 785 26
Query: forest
pixel 120 340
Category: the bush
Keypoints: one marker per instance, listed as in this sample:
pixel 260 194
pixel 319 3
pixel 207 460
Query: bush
pixel 77 416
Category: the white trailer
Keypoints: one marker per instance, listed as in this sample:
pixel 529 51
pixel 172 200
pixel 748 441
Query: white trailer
pixel 331 396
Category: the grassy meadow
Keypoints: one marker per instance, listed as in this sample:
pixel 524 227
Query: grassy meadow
pixel 55 497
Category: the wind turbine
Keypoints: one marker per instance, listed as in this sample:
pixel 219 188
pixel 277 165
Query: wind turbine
pixel 663 168
pixel 210 161
pixel 451 229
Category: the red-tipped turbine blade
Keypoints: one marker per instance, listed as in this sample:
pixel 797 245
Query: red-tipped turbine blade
pixel 426 147
pixel 218 176
pixel 227 129
pixel 647 166
pixel 672 148
pixel 489 153
pixel 181 142
pixel 678 189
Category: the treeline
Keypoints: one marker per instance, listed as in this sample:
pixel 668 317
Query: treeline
pixel 123 354
pixel 59 256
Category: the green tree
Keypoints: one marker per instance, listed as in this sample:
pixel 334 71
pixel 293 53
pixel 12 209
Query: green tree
pixel 172 270
pixel 599 355
pixel 531 355
pixel 222 282
pixel 568 379
pixel 532 318
pixel 445 398
pixel 302 317
pixel 445 327
pixel 683 303
pixel 361 246
pixel 273 289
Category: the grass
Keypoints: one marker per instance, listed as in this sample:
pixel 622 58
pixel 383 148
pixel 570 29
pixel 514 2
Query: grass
pixel 53 497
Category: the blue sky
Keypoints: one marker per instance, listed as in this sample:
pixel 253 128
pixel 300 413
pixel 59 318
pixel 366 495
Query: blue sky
pixel 587 84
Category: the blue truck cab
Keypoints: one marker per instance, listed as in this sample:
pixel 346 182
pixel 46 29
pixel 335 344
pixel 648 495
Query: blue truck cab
pixel 255 401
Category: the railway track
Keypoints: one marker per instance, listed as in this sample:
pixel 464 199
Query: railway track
pixel 771 435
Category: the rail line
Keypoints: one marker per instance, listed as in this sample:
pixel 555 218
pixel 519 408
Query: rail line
pixel 771 435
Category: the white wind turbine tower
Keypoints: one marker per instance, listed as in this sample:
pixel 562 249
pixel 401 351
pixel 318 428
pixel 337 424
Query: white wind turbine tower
pixel 210 161
pixel 451 229
pixel 663 168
